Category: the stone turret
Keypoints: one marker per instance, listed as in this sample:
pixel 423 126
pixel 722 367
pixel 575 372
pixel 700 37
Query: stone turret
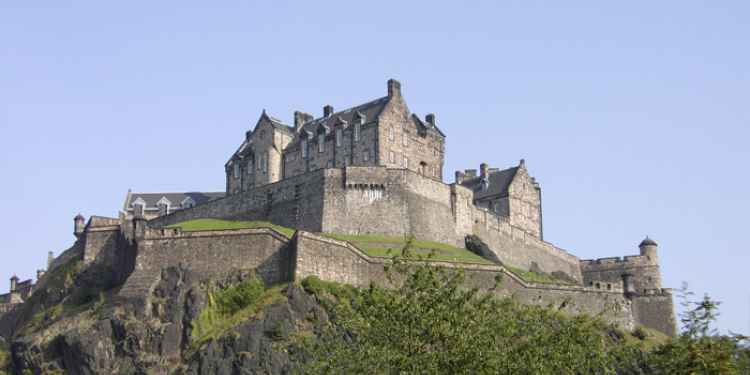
pixel 648 249
pixel 79 223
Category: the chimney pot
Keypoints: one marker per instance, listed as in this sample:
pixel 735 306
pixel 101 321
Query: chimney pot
pixel 483 170
pixel 430 119
pixel 327 111
pixel 394 88
pixel 459 177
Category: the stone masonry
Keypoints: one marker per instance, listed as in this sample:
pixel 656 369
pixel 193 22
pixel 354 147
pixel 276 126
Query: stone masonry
pixel 374 168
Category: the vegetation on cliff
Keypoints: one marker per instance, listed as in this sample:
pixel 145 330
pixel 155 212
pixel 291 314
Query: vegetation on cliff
pixel 431 325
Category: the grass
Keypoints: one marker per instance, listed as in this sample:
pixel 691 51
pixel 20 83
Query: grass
pixel 536 277
pixel 387 246
pixel 229 307
pixel 218 224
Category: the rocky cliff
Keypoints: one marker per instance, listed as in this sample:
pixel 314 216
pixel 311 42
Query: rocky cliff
pixel 77 324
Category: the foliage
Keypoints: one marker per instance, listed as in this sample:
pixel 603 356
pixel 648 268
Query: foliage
pixel 699 349
pixel 229 307
pixel 217 224
pixel 429 324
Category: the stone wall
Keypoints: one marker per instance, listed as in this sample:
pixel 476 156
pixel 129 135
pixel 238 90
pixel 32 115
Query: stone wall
pixel 655 309
pixel 405 142
pixel 340 261
pixel 295 202
pixel 644 271
pixel 209 254
pixel 380 200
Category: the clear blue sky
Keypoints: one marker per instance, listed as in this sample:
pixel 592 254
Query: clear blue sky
pixel 634 116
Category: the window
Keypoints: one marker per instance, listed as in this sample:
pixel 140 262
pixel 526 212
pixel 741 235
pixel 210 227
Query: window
pixel 392 157
pixel 406 162
pixel 338 137
pixel 356 132
pixel 303 147
pixel 405 138
pixel 321 142
pixel 236 167
pixel 250 166
pixel 366 155
pixel 391 136
pixel 264 162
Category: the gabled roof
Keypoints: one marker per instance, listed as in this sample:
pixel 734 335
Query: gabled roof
pixel 499 181
pixel 425 125
pixel 369 111
pixel 152 199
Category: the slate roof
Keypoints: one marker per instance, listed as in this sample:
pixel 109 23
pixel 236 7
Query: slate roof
pixel 370 110
pixel 499 181
pixel 151 199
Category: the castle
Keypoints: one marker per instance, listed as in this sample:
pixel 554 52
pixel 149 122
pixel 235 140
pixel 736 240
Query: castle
pixel 373 169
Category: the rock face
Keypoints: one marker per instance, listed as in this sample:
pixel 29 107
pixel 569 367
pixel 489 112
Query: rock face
pixel 109 336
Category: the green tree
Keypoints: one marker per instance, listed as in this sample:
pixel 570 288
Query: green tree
pixel 430 324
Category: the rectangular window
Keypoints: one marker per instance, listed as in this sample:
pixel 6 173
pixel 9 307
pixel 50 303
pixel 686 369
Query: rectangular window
pixel 392 157
pixel 391 136
pixel 406 162
pixel 356 132
pixel 303 146
pixel 321 142
pixel 366 155
pixel 338 137
pixel 405 138
pixel 236 171
pixel 264 162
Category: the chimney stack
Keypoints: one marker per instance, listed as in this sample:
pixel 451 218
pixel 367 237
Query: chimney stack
pixel 430 119
pixel 459 177
pixel 394 88
pixel 79 224
pixel 300 118
pixel 483 170
pixel 13 283
pixel 327 110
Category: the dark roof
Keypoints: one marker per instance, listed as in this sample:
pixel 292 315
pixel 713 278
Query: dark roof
pixel 648 242
pixel 175 198
pixel 370 110
pixel 499 181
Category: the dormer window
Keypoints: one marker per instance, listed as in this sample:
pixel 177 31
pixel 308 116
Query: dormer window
pixel 139 207
pixel 188 202
pixel 163 204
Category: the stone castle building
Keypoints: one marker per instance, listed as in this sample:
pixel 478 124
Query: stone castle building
pixel 375 168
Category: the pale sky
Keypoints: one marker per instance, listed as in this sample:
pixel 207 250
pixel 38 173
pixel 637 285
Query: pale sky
pixel 633 116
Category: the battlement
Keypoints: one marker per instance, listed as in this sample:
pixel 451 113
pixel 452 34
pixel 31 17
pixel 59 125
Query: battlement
pixel 634 260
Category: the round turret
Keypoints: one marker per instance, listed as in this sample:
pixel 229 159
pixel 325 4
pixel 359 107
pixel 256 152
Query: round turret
pixel 648 249
pixel 79 223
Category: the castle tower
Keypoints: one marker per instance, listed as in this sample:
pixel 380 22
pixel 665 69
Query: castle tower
pixel 648 249
pixel 79 223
